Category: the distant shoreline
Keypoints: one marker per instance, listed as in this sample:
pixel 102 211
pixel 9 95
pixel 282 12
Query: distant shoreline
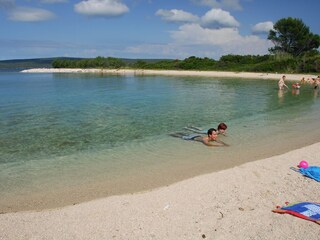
pixel 293 77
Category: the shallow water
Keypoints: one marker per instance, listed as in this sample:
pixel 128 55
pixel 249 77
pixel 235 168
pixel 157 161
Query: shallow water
pixel 67 138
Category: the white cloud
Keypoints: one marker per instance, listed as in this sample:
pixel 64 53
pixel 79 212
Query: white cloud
pixel 263 27
pixel 194 40
pixel 224 4
pixel 25 14
pixel 224 40
pixel 247 45
pixel 175 15
pixel 104 8
pixel 195 34
pixel 216 18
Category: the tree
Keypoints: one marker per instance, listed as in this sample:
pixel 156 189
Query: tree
pixel 291 35
pixel 115 62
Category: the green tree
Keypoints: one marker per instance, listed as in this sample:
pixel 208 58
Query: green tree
pixel 98 62
pixel 197 63
pixel 114 63
pixel 291 35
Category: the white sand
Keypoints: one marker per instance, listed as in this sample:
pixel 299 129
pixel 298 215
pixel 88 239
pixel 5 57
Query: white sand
pixel 294 77
pixel 230 204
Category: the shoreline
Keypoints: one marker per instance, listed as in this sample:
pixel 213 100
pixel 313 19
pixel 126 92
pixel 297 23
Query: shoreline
pixel 274 76
pixel 234 203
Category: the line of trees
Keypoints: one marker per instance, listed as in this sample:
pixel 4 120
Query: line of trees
pixel 295 50
pixel 98 62
pixel 249 63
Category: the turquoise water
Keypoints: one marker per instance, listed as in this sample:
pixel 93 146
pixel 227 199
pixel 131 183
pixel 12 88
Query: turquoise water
pixel 73 137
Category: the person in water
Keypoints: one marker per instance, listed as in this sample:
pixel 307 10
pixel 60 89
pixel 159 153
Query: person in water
pixel 316 83
pixel 221 129
pixel 212 136
pixel 210 140
pixel 281 83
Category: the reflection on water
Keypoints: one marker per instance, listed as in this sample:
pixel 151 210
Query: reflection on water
pixel 96 135
pixel 281 95
pixel 295 91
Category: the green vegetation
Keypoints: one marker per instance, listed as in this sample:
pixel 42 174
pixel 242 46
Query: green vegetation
pixel 98 62
pixel 249 63
pixel 292 36
pixel 295 51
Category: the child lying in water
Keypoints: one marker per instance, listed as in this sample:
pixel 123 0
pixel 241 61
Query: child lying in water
pixel 222 128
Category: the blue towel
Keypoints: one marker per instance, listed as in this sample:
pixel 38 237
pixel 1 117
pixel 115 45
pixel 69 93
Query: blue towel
pixel 312 172
pixel 306 210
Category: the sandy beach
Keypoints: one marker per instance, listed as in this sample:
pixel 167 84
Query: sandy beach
pixel 230 204
pixel 293 77
pixel 236 203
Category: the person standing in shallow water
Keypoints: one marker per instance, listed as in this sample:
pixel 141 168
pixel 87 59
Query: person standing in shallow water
pixel 281 83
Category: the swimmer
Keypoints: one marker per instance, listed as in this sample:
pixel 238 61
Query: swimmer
pixel 212 136
pixel 222 128
pixel 296 85
pixel 209 140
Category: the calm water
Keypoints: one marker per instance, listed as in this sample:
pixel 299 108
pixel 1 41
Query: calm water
pixel 66 138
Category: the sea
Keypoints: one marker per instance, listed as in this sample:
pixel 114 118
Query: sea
pixel 67 138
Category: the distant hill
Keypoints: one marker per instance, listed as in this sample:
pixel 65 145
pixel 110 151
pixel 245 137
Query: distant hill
pixel 29 63
pixel 47 62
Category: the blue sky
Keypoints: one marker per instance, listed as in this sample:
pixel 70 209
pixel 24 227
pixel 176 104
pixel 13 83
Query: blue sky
pixel 174 29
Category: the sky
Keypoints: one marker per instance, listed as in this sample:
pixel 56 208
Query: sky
pixel 145 29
